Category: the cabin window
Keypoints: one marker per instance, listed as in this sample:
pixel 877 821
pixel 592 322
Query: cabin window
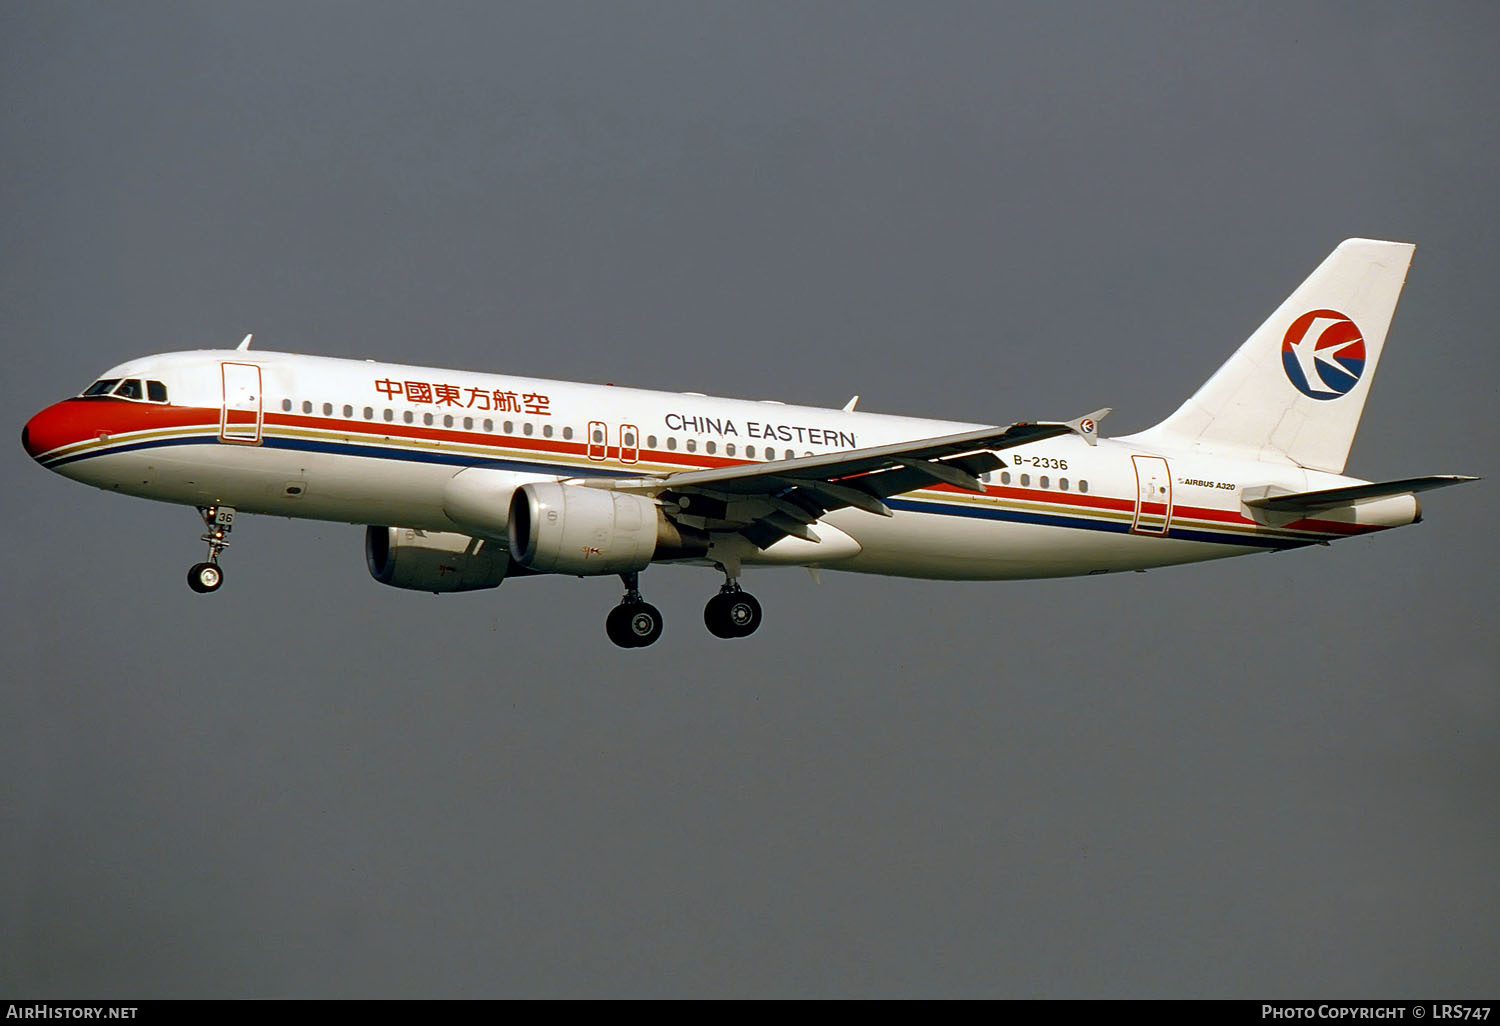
pixel 598 436
pixel 408 416
pixel 1083 486
pixel 1043 481
pixel 306 406
pixel 447 420
pixel 692 445
pixel 568 433
pixel 489 425
pixel 1025 480
pixel 547 430
pixel 1005 477
pixel 750 452
pixel 728 448
pixel 369 413
pixel 286 405
pixel 528 428
pixel 510 427
pixel 468 423
pixel 102 386
pixel 427 419
pixel 672 443
pixel 1062 483
pixel 328 409
pixel 389 414
pixel 790 454
pixel 348 411
pixel 711 447
pixel 156 391
pixel 651 441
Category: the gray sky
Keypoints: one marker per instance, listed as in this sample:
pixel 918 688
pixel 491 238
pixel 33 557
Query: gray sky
pixel 1268 776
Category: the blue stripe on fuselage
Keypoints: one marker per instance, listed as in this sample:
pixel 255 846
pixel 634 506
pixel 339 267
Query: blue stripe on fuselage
pixel 1015 516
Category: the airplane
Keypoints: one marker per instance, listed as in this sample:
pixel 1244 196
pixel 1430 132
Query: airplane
pixel 465 479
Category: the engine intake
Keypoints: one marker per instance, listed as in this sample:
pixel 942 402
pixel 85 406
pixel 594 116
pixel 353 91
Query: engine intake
pixel 570 529
pixel 432 561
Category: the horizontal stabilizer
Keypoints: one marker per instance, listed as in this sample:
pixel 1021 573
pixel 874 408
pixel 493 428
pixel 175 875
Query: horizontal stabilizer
pixel 1329 498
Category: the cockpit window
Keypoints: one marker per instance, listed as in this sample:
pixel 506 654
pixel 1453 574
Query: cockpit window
pixel 128 388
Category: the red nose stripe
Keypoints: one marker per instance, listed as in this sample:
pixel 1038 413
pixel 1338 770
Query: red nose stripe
pixel 78 420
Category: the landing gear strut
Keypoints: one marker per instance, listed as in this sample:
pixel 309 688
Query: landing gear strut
pixel 205 578
pixel 634 623
pixel 732 613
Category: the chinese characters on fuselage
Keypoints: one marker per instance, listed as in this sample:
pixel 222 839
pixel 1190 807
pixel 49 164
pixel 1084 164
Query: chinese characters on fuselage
pixel 441 394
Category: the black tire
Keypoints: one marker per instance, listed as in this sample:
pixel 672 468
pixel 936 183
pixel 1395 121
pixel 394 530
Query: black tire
pixel 732 614
pixel 616 625
pixel 205 578
pixel 716 616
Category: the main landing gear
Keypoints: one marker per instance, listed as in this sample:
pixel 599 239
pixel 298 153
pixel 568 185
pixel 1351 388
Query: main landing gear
pixel 205 578
pixel 732 613
pixel 634 623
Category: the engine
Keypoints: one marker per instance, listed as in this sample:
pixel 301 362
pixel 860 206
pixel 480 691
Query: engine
pixel 570 529
pixel 430 561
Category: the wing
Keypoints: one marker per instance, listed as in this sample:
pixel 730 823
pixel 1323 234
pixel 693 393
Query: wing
pixel 766 502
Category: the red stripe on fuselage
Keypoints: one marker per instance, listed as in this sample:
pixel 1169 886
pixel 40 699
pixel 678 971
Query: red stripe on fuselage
pixel 79 420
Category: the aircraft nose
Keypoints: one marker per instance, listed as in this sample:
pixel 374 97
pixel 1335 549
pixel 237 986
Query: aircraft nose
pixel 57 425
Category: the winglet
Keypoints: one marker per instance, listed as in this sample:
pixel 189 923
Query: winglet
pixel 245 343
pixel 1087 427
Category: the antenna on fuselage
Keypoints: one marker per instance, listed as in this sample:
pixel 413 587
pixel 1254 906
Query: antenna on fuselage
pixel 246 343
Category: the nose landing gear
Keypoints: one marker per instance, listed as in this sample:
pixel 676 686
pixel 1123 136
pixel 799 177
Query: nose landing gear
pixel 205 578
pixel 634 623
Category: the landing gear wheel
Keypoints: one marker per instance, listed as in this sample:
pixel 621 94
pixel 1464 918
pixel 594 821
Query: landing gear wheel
pixel 633 624
pixel 205 578
pixel 732 614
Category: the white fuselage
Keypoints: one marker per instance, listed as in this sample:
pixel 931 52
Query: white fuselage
pixel 377 443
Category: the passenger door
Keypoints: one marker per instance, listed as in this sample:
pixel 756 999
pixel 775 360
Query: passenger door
pixel 1153 495
pixel 242 415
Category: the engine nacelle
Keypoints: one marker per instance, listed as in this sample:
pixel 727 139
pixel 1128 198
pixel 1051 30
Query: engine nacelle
pixel 570 529
pixel 431 561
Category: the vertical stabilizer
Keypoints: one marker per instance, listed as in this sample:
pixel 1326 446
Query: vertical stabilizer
pixel 1295 390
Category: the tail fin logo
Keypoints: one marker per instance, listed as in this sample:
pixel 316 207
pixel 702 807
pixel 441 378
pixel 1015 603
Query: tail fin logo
pixel 1323 354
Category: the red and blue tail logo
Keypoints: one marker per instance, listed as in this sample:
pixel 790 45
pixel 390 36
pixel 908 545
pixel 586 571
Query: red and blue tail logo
pixel 1323 353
